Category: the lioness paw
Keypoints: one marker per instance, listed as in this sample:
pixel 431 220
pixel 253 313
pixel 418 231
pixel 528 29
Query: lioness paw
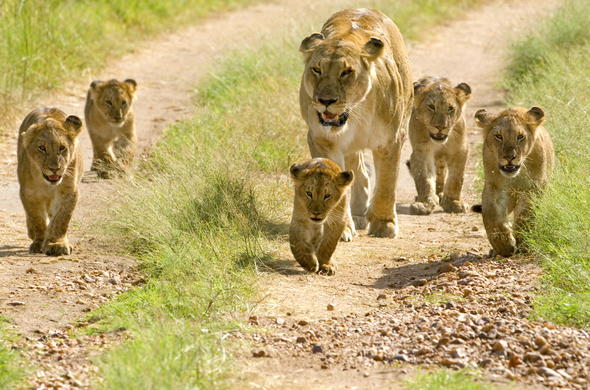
pixel 36 247
pixel 453 206
pixel 360 222
pixel 58 249
pixel 381 228
pixel 422 208
pixel 327 269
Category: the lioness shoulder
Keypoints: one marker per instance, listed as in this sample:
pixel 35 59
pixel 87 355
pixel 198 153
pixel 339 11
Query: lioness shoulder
pixel 518 158
pixel 111 125
pixel 319 213
pixel 49 172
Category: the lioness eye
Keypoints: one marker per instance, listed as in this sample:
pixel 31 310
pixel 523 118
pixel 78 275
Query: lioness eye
pixel 451 109
pixel 109 103
pixel 309 194
pixel 316 70
pixel 62 148
pixel 431 107
pixel 123 103
pixel 498 137
pixel 42 148
pixel 345 73
pixel 521 137
pixel 327 196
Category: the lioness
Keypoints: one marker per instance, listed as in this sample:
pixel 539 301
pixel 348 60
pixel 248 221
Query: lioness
pixel 439 144
pixel 49 171
pixel 518 158
pixel 319 213
pixel 111 125
pixel 356 94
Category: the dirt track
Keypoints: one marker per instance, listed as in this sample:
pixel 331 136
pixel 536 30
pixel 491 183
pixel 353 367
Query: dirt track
pixel 56 292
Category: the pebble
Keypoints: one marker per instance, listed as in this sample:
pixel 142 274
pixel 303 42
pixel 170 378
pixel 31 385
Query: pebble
pixel 259 353
pixel 500 346
pixel 317 349
pixel 544 371
pixel 401 358
pixel 446 267
pixel 330 307
pixel 15 303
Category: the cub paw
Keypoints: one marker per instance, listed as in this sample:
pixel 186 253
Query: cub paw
pixel 327 269
pixel 348 233
pixel 58 249
pixel 383 228
pixel 360 222
pixel 36 247
pixel 420 208
pixel 310 266
pixel 453 206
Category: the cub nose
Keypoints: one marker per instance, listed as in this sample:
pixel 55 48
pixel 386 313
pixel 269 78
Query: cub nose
pixel 327 102
pixel 510 156
pixel 440 127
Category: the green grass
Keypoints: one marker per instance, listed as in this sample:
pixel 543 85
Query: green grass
pixel 11 366
pixel 203 214
pixel 44 43
pixel 550 69
pixel 443 379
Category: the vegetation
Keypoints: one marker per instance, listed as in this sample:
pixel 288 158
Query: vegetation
pixel 44 43
pixel 11 368
pixel 550 69
pixel 202 214
pixel 447 380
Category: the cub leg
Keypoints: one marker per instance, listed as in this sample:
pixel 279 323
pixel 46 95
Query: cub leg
pixel 495 211
pixel 359 202
pixel 422 169
pixel 382 214
pixel 303 249
pixel 103 161
pixel 36 212
pixel 56 241
pixel 124 149
pixel 451 200
pixel 332 230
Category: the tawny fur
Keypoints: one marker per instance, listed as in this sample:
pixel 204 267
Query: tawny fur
pixel 358 66
pixel 514 137
pixel 48 147
pixel 319 213
pixel 111 124
pixel 439 145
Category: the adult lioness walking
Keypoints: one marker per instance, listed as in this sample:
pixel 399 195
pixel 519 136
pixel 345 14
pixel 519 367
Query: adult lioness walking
pixel 356 94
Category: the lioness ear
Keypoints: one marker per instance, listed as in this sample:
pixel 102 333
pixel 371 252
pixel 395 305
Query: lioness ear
pixel 132 84
pixel 296 172
pixel 373 48
pixel 344 178
pixel 74 124
pixel 483 118
pixel 311 42
pixel 463 91
pixel 536 116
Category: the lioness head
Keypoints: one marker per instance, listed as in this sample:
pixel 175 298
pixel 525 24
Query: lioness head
pixel 113 98
pixel 319 185
pixel 51 145
pixel 337 75
pixel 510 135
pixel 439 106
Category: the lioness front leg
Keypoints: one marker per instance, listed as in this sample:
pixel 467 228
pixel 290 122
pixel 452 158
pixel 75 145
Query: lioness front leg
pixel 36 222
pixel 495 219
pixel 422 169
pixel 522 218
pixel 382 214
pixel 56 241
pixel 451 201
pixel 359 201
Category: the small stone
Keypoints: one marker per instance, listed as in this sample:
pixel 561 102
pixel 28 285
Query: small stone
pixel 446 267
pixel 540 341
pixel 381 296
pixel 303 322
pixel 514 361
pixel 401 357
pixel 301 340
pixel 330 307
pixel 452 363
pixel 544 371
pixel 324 366
pixel 31 271
pixel 15 303
pixel 474 229
pixel 253 320
pixel 259 353
pixel 419 282
pixel 484 362
pixel 457 353
pixel 280 321
pixel 500 346
pixel 532 357
pixel 317 349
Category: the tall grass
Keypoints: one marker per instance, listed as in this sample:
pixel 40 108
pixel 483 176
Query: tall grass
pixel 550 69
pixel 46 42
pixel 205 209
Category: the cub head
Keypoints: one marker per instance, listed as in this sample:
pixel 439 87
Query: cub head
pixel 51 146
pixel 337 75
pixel 439 106
pixel 319 186
pixel 510 136
pixel 113 98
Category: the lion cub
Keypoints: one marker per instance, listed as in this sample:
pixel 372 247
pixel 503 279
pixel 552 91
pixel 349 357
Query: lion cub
pixel 319 213
pixel 518 158
pixel 49 172
pixel 111 125
pixel 439 145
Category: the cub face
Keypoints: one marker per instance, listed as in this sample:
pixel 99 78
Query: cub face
pixel 51 146
pixel 319 186
pixel 113 99
pixel 510 136
pixel 439 106
pixel 337 75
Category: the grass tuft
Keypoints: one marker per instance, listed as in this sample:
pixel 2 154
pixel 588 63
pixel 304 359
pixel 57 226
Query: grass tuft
pixel 444 379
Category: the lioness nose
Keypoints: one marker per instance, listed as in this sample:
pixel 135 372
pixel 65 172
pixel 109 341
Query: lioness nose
pixel 510 155
pixel 327 102
pixel 440 127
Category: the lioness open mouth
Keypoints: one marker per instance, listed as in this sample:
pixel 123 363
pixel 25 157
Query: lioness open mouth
pixel 509 168
pixel 438 136
pixel 53 179
pixel 328 119
pixel 316 219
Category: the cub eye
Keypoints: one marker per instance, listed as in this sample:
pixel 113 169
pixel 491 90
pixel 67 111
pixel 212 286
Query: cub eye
pixel 316 70
pixel 109 103
pixel 124 103
pixel 451 109
pixel 521 137
pixel 498 137
pixel 431 107
pixel 62 148
pixel 42 148
pixel 309 194
pixel 327 196
pixel 345 73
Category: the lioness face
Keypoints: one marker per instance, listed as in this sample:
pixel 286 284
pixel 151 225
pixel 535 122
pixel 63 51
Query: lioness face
pixel 51 146
pixel 510 136
pixel 320 185
pixel 337 76
pixel 113 99
pixel 439 106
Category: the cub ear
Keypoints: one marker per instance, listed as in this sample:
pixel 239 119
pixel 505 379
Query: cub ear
pixel 373 48
pixel 536 116
pixel 483 118
pixel 311 42
pixel 297 172
pixel 74 124
pixel 132 84
pixel 463 91
pixel 95 84
pixel 344 178
pixel 418 86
